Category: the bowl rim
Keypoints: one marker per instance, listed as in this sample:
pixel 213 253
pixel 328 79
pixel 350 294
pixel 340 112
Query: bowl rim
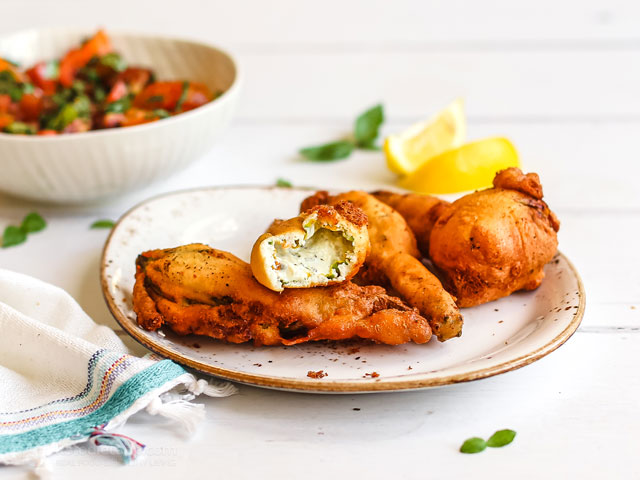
pixel 213 104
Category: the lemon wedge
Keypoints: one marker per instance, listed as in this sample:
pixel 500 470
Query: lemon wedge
pixel 407 151
pixel 469 167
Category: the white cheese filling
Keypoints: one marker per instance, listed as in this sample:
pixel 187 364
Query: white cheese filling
pixel 321 256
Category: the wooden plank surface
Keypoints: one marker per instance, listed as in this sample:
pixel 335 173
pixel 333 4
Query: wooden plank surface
pixel 402 24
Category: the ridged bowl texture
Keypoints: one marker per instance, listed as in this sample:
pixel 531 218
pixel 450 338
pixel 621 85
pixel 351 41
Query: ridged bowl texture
pixel 80 167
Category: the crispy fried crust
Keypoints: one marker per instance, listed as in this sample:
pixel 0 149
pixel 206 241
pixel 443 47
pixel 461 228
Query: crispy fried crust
pixel 195 289
pixel 394 261
pixel 494 242
pixel 344 217
pixel 421 213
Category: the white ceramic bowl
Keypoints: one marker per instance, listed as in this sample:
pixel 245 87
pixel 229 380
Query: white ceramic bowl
pixel 80 167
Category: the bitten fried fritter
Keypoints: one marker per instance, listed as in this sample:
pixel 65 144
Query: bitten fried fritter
pixel 195 289
pixel 322 246
pixel 394 260
pixel 491 243
pixel 421 213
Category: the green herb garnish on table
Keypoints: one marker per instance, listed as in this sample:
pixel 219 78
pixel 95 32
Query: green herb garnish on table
pixel 281 182
pixel 102 224
pixel 497 440
pixel 14 235
pixel 365 133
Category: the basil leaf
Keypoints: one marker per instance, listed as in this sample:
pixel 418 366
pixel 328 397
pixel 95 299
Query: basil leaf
pixel 370 146
pixel 114 61
pixel 20 128
pixel 65 116
pixel 119 106
pixel 501 438
pixel 13 236
pixel 160 113
pixel 99 94
pixel 82 105
pixel 33 222
pixel 328 152
pixel 281 182
pixel 10 86
pixel 103 224
pixel 473 445
pixel 27 88
pixel 367 125
pixel 78 86
pixel 62 97
pixel 183 95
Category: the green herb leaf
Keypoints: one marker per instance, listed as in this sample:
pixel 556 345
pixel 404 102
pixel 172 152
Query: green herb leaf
pixel 183 95
pixel 114 61
pixel 33 222
pixel 473 445
pixel 119 106
pixel 27 88
pixel 501 438
pixel 13 236
pixel 20 128
pixel 161 113
pixel 65 116
pixel 82 104
pixel 103 224
pixel 10 86
pixel 281 182
pixel 328 152
pixel 78 86
pixel 370 146
pixel 367 125
pixel 99 94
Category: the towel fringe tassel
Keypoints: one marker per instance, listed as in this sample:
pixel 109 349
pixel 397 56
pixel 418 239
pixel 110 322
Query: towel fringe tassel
pixel 127 446
pixel 188 414
pixel 222 389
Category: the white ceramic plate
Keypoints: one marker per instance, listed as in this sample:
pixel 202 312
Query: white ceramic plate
pixel 497 337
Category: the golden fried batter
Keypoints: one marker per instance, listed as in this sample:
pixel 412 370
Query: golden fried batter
pixel 394 259
pixel 195 289
pixel 323 246
pixel 421 213
pixel 491 243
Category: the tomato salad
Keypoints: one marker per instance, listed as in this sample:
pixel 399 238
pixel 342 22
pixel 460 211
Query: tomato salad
pixel 90 88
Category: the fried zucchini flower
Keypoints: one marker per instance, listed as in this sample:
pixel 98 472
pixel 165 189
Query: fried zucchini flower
pixel 322 246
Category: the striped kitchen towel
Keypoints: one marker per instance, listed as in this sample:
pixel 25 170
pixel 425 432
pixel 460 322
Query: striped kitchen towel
pixel 66 380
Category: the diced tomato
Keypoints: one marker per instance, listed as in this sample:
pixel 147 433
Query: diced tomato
pixel 38 75
pixel 5 103
pixel 77 58
pixel 163 95
pixel 47 133
pixel 197 95
pixel 112 120
pixel 136 116
pixel 78 125
pixel 135 78
pixel 31 106
pixel 118 91
pixel 5 120
pixel 171 95
pixel 11 68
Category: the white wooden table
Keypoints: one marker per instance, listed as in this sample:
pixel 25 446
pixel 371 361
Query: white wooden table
pixel 561 79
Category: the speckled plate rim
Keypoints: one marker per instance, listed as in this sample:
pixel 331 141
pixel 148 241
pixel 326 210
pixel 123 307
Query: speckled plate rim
pixel 279 383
